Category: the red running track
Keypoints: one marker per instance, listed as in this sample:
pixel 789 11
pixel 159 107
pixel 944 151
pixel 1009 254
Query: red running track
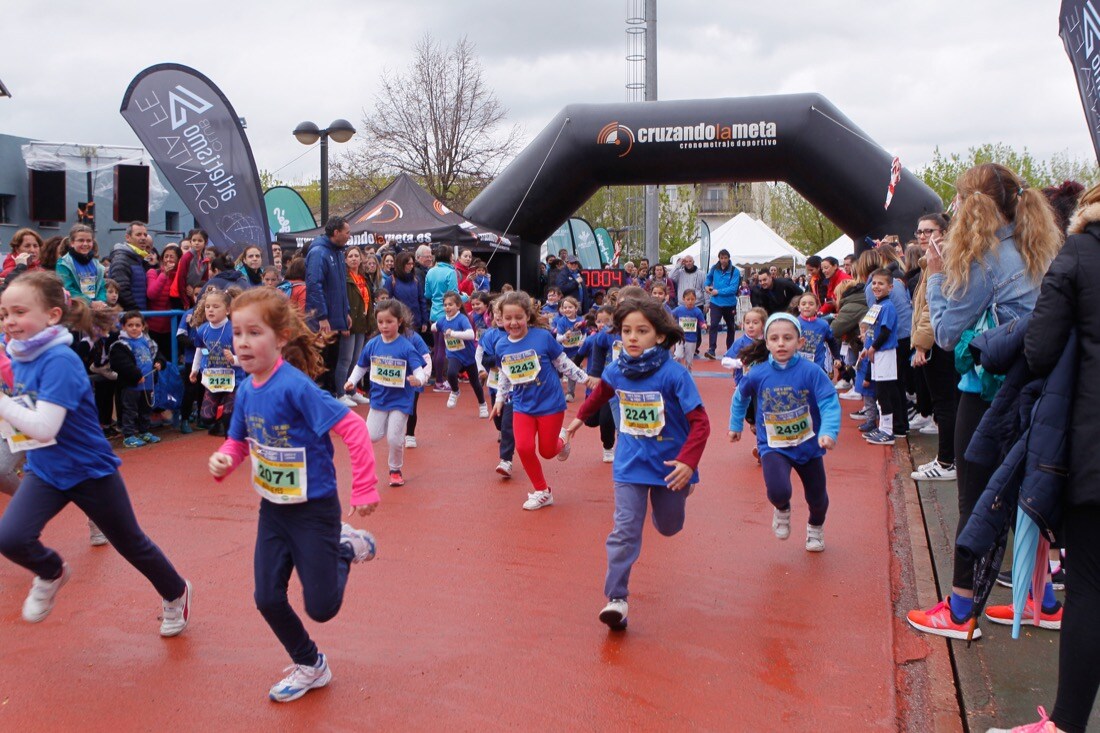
pixel 476 614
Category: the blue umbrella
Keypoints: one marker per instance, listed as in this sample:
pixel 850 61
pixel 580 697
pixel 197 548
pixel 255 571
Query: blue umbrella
pixel 1029 569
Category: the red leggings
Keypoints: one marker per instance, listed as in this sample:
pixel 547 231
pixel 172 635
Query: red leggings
pixel 548 430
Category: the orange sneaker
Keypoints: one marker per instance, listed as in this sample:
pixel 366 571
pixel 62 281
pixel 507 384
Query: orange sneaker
pixel 938 620
pixel 1047 619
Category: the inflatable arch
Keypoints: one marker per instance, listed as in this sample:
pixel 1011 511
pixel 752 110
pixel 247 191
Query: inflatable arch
pixel 801 139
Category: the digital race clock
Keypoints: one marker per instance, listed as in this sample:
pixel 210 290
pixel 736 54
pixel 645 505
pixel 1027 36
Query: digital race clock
pixel 603 279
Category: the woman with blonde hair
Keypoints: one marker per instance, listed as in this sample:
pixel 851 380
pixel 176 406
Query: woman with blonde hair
pixel 986 273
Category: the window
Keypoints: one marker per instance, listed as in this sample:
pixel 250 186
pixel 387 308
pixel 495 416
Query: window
pixel 7 206
pixel 172 221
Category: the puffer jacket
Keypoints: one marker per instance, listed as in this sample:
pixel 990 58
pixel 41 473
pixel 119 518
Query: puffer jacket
pixel 922 336
pixel 851 308
pixel 128 270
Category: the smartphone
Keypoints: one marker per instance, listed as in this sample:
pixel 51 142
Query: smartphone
pixel 936 246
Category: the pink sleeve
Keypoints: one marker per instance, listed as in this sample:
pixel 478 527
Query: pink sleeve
pixel 6 372
pixel 364 484
pixel 235 449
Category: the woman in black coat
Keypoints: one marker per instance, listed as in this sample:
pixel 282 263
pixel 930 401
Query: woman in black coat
pixel 1070 299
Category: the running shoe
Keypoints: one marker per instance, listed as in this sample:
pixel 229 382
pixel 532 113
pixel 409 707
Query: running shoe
pixel 133 441
pixel 1044 725
pixel 359 398
pixel 302 679
pixel 781 523
pixel 185 428
pixel 149 438
pixel 940 621
pixel 608 455
pixel 869 426
pixel 40 600
pixel 410 441
pixel 843 385
pixel 851 394
pixel 504 468
pixel 1005 578
pixel 935 471
pixel 861 414
pixel 815 538
pixel 1048 618
pixel 441 387
pixel 706 355
pixel 483 411
pixel 177 614
pixel 360 540
pixel 348 401
pixel 538 499
pixel 563 454
pixel 930 429
pixel 452 400
pixel 396 479
pixel 878 437
pixel 920 421
pixel 614 614
pixel 1057 580
pixel 96 538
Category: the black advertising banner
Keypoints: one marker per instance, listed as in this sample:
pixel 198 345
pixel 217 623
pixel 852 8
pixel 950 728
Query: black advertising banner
pixel 195 137
pixel 1079 27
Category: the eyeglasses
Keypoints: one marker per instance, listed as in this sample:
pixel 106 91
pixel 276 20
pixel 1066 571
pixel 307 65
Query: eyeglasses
pixel 925 232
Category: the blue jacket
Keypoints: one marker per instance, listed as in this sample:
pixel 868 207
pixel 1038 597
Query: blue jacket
pixel 326 284
pixel 411 293
pixel 438 281
pixel 726 282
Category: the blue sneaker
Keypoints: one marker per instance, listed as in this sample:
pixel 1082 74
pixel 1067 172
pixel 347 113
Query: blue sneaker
pixel 879 437
pixel 149 438
pixel 133 441
pixel 302 679
pixel 868 427
pixel 185 428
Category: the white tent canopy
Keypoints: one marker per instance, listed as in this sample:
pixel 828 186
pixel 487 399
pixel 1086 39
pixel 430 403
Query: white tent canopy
pixel 749 242
pixel 841 247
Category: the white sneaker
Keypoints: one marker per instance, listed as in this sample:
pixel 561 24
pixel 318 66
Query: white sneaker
pixel 176 614
pixel 504 468
pixel 452 400
pixel 930 429
pixel 920 421
pixel 843 385
pixel 781 523
pixel 563 454
pixel 39 602
pixel 302 679
pixel 96 538
pixel 361 542
pixel 851 395
pixel 609 456
pixel 410 441
pixel 934 471
pixel 815 538
pixel 347 400
pixel 359 399
pixel 614 614
pixel 538 499
pixel 483 411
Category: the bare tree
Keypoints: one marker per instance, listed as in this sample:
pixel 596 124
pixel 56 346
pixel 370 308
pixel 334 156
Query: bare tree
pixel 439 122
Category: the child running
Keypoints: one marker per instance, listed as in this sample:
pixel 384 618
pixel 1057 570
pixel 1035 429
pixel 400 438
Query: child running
pixel 51 415
pixel 602 348
pixel 458 335
pixel 528 360
pixel 214 364
pixel 795 402
pixel 663 431
pixel 753 325
pixel 569 328
pixel 489 360
pixel 816 333
pixel 426 354
pixel 281 424
pixel 396 368
pixel 692 322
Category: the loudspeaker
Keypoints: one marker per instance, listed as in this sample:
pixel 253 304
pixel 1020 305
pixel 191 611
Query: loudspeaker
pixel 47 195
pixel 131 193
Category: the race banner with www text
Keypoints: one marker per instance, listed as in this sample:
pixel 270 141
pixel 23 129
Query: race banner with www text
pixel 1079 27
pixel 193 133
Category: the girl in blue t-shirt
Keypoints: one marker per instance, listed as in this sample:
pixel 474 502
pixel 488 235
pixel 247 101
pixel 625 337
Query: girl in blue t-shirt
pixel 51 416
pixel 817 334
pixel 458 335
pixel 214 364
pixel 281 427
pixel 489 361
pixel 692 322
pixel 663 429
pixel 797 420
pixel 602 348
pixel 425 354
pixel 395 369
pixel 568 328
pixel 753 325
pixel 530 361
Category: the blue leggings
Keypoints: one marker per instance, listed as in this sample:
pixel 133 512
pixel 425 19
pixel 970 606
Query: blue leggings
pixel 777 478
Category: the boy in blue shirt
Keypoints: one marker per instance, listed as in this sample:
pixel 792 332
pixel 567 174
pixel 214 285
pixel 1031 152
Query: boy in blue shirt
pixel 882 317
pixel 691 321
pixel 134 357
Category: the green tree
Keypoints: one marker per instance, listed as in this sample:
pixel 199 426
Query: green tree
pixel 678 222
pixel 798 221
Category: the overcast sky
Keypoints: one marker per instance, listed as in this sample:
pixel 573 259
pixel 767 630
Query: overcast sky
pixel 913 75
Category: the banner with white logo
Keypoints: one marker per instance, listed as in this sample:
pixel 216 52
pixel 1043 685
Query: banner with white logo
pixel 1079 27
pixel 704 245
pixel 605 243
pixel 584 241
pixel 194 135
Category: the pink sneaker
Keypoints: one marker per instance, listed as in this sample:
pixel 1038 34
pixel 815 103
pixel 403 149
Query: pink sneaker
pixel 1045 725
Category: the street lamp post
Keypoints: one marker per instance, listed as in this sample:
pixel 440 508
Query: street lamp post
pixel 308 133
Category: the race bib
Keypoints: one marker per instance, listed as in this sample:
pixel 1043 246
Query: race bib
pixel 279 474
pixel 494 378
pixel 454 344
pixel 87 286
pixel 641 413
pixel 788 429
pixel 387 372
pixel 17 441
pixel 872 314
pixel 689 325
pixel 219 380
pixel 522 367
pixel 573 340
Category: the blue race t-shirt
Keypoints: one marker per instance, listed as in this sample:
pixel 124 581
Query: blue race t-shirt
pixel 142 349
pixel 652 420
pixel 818 335
pixel 461 351
pixel 421 348
pixel 212 341
pixel 81 453
pixel 690 321
pixel 572 344
pixel 533 354
pixel 388 367
pixel 885 316
pixel 743 341
pixel 290 411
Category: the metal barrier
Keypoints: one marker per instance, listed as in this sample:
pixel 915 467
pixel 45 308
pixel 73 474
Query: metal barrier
pixel 175 316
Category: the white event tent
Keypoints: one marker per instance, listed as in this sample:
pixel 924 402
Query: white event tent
pixel 749 242
pixel 840 248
